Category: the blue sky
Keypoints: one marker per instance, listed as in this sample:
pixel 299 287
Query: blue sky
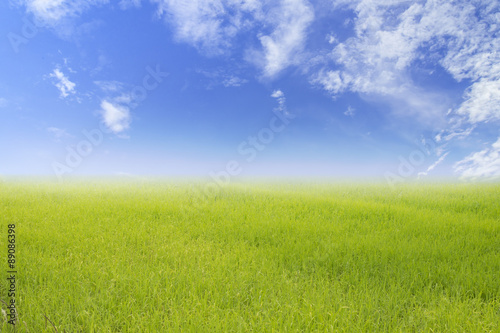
pixel 391 89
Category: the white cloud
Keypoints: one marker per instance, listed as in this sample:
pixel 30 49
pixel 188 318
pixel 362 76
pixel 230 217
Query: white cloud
pixel 116 106
pixel 53 11
pixel 280 96
pixel 65 86
pixel 208 25
pixel 285 43
pixel 482 101
pixel 483 164
pixel 331 39
pixel 3 102
pixel 115 116
pixel 331 81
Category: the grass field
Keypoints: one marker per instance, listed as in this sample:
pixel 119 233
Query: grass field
pixel 149 256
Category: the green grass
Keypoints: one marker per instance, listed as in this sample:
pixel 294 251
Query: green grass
pixel 103 256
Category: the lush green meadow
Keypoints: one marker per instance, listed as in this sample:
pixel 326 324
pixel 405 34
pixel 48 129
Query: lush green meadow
pixel 156 256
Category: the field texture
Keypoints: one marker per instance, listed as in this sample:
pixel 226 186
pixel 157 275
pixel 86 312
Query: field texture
pixel 96 256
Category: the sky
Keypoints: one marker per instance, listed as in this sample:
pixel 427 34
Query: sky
pixel 391 89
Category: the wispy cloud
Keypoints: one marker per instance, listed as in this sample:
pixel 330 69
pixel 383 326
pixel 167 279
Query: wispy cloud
pixel 58 133
pixel 212 25
pixel 482 102
pixel 233 81
pixel 109 86
pixel 350 111
pixel 482 164
pixel 126 4
pixel 283 46
pixel 433 165
pixel 209 25
pixel 62 82
pixel 102 62
pixel 221 77
pixel 454 133
pixel 53 11
pixel 3 102
pixel 115 116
